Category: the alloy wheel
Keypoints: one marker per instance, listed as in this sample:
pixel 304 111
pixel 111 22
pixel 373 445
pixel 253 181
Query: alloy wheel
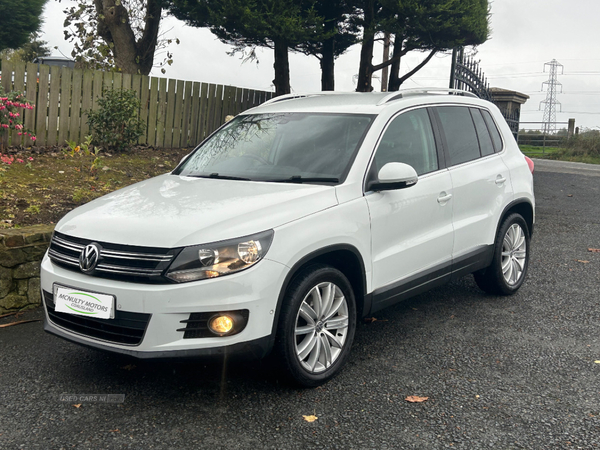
pixel 321 327
pixel 514 254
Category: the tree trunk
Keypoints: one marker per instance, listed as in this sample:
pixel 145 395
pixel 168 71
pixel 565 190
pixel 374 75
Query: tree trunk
pixel 394 83
pixel 282 68
pixel 114 27
pixel 365 68
pixel 327 65
pixel 417 68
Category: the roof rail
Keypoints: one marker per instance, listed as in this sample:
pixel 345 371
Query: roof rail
pixel 408 92
pixel 284 97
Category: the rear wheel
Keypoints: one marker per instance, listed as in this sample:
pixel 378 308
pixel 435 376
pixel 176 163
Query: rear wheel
pixel 317 325
pixel 511 258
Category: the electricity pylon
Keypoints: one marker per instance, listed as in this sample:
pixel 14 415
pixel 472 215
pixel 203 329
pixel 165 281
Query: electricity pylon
pixel 549 125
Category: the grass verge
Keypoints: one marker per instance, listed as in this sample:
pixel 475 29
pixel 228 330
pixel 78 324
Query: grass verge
pixel 558 153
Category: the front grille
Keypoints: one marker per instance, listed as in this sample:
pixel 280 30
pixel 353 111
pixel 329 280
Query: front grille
pixel 197 325
pixel 133 263
pixel 126 328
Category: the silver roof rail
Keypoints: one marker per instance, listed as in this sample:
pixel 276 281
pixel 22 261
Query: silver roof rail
pixel 408 92
pixel 284 97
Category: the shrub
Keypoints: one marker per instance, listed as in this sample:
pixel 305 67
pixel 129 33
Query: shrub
pixel 115 124
pixel 11 106
pixel 586 143
pixel 85 150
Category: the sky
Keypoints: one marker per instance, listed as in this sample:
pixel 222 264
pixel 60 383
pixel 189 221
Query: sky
pixel 525 34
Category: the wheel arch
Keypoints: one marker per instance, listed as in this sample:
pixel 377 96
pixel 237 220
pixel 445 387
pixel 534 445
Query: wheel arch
pixel 345 258
pixel 521 206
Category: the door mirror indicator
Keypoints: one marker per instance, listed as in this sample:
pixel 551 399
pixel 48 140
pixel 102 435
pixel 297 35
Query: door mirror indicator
pixel 392 176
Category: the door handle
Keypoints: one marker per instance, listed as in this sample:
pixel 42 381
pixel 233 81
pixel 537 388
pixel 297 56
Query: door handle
pixel 500 180
pixel 444 198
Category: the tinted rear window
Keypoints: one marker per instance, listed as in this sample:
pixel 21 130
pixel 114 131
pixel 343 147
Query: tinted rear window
pixel 485 141
pixel 459 130
pixel 496 139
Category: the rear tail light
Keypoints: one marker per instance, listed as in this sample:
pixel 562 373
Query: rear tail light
pixel 529 163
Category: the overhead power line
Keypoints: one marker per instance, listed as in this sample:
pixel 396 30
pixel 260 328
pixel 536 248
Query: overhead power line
pixel 536 111
pixel 551 103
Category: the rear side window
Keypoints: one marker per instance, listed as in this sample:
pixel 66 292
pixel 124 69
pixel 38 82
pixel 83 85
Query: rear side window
pixel 409 139
pixel 485 141
pixel 496 139
pixel 459 130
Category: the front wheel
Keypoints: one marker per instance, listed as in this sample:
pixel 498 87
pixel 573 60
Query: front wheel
pixel 511 258
pixel 317 325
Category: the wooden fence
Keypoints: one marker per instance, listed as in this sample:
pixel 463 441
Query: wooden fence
pixel 176 113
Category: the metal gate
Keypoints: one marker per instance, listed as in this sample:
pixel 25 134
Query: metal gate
pixel 467 75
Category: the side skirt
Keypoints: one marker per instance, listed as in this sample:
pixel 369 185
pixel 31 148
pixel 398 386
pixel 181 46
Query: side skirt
pixel 434 277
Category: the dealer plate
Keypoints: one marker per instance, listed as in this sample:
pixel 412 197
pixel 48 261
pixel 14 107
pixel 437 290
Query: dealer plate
pixel 84 303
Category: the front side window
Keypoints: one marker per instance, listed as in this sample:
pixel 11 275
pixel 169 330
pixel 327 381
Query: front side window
pixel 409 139
pixel 281 147
pixel 459 129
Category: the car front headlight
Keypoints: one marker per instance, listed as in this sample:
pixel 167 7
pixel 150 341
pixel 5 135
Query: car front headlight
pixel 204 261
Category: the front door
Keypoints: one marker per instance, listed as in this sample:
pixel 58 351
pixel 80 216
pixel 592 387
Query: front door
pixel 411 228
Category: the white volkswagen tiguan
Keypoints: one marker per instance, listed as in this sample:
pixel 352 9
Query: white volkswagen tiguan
pixel 290 223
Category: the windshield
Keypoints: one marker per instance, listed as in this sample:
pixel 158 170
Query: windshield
pixel 292 147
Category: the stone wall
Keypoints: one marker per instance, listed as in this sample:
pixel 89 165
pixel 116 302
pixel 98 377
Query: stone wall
pixel 21 251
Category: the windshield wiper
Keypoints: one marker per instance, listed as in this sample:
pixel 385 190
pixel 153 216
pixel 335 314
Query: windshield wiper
pixel 221 177
pixel 300 179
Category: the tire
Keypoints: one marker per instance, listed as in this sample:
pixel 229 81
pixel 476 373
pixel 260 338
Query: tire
pixel 510 261
pixel 317 325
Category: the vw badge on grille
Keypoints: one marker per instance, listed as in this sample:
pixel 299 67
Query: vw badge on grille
pixel 88 258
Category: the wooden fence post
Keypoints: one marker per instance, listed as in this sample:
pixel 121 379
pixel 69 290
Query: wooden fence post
pixel 87 101
pixel 187 107
pixel 53 105
pixel 64 104
pixel 41 107
pixel 31 93
pixel 75 121
pixel 177 116
pixel 161 116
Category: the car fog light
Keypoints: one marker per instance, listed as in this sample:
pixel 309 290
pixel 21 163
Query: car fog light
pixel 221 325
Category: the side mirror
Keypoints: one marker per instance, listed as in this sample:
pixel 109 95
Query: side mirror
pixel 394 175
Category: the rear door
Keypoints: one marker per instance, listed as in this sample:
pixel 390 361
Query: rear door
pixel 480 184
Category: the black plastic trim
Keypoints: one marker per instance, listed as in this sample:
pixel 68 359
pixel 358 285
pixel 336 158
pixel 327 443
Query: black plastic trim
pixel 411 286
pixel 439 140
pixel 512 205
pixel 196 327
pixel 472 261
pixel 379 186
pixel 127 328
pixel 306 259
pixel 257 348
pixel 431 278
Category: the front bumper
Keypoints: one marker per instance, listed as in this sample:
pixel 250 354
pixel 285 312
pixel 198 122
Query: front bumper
pixel 256 349
pixel 256 290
